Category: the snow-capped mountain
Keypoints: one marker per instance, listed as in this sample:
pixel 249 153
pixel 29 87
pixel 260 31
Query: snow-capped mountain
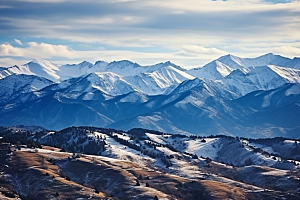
pixel 215 70
pixel 107 82
pixel 245 75
pixel 244 81
pixel 165 97
pixel 268 59
pixel 281 96
pixel 41 68
pixel 152 80
pixel 16 86
pixel 158 80
pixel 4 72
pixel 75 70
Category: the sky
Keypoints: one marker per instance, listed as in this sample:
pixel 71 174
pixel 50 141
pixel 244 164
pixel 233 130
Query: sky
pixel 188 33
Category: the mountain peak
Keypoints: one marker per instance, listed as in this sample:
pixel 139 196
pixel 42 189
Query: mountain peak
pixel 43 68
pixel 169 63
pixel 42 63
pixel 39 62
pixel 84 63
pixel 229 56
pixel 122 62
pixel 188 85
pixel 236 73
pixel 231 61
pixel 268 54
pixel 98 62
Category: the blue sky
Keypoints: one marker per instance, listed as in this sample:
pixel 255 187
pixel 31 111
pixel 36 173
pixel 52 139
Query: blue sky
pixel 189 33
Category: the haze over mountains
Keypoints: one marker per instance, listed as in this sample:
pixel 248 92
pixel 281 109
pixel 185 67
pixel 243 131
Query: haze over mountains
pixel 257 97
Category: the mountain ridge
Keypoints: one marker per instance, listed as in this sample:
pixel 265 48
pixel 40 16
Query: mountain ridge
pixel 162 96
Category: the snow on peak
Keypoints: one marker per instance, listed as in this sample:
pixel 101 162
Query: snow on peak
pixel 232 61
pixel 223 69
pixel 110 83
pixel 124 67
pixel 260 78
pixel 122 64
pixel 188 85
pixel 158 81
pixel 81 69
pixel 237 73
pixel 214 70
pixel 166 64
pixel 14 70
pixel 16 84
pixel 100 62
pixel 43 68
pixel 85 64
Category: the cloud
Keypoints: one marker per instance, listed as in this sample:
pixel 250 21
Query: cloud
pixel 196 50
pixel 287 51
pixel 198 29
pixel 226 19
pixel 18 42
pixel 55 53
pixel 35 50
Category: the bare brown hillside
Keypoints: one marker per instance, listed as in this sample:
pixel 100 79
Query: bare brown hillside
pixel 50 174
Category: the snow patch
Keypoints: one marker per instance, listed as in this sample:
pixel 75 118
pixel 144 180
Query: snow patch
pixel 206 149
pixel 267 100
pixel 295 89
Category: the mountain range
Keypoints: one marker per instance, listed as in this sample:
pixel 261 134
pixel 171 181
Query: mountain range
pixel 230 95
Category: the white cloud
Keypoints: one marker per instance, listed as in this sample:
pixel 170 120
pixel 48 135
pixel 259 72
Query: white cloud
pixel 196 50
pixel 18 41
pixel 287 51
pixel 61 54
pixel 7 62
pixel 192 32
pixel 35 50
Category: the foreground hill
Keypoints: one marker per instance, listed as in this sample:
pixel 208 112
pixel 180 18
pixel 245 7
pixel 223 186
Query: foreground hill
pixel 97 163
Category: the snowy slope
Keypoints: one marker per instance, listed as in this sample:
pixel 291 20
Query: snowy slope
pixel 244 75
pixel 159 81
pixel 232 61
pixel 260 78
pixel 44 68
pixel 4 72
pixel 41 68
pixel 267 59
pixel 164 97
pixel 214 70
pixel 16 85
pixel 239 75
pixel 151 80
pixel 107 82
pixel 281 96
pixel 271 59
pixel 81 69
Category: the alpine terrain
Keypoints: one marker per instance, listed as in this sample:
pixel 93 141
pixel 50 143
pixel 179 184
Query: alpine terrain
pixel 257 97
pixel 119 130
